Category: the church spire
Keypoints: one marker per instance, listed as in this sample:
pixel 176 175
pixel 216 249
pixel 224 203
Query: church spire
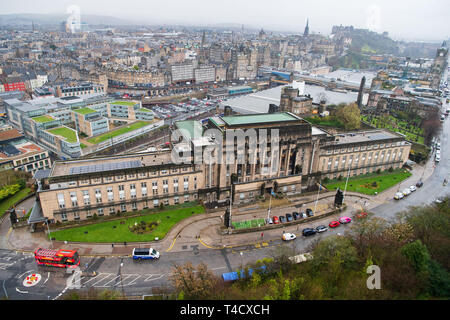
pixel 306 28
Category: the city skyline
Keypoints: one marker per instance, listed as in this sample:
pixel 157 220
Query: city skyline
pixel 425 20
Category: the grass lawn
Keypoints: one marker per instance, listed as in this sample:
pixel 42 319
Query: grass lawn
pixel 6 203
pixel 43 119
pixel 124 103
pixel 412 133
pixel 118 132
pixel 105 231
pixel 84 110
pixel 68 134
pixel 363 183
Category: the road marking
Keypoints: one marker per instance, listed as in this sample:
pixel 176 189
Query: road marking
pixel 106 284
pixel 84 284
pixel 21 291
pixel 154 277
pixel 3 266
pixel 9 231
pixel 257 245
pixel 171 246
pixel 265 244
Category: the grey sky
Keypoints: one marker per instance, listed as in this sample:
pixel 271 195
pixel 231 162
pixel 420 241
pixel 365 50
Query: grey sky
pixel 403 19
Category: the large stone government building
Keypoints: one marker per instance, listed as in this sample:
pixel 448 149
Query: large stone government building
pixel 78 189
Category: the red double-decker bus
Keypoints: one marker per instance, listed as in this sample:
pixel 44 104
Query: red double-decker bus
pixel 57 258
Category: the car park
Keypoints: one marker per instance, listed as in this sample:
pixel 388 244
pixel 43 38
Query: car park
pixel 308 232
pixel 276 220
pixel 399 195
pixel 321 229
pixel 288 236
pixel 344 220
pixel 296 215
pixel 412 188
pixel 282 219
pixel 289 217
pixel 309 212
pixel 334 224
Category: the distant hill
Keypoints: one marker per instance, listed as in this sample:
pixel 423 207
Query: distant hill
pixel 53 19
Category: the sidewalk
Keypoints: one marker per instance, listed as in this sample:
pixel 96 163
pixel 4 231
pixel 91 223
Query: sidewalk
pixel 203 230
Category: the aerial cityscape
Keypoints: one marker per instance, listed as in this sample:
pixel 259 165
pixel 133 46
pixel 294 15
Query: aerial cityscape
pixel 224 151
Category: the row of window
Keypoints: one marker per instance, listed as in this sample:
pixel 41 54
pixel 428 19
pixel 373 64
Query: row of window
pixel 364 147
pixel 378 157
pixel 123 207
pixel 121 192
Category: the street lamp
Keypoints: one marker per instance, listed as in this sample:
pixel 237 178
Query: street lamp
pixel 242 264
pixel 49 234
pixel 121 282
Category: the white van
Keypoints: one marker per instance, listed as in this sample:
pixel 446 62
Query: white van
pixel 145 254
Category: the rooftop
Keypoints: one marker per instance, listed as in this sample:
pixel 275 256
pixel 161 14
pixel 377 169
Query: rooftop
pixel 124 103
pixel 67 134
pixel 258 118
pixel 43 119
pixel 84 110
pixel 74 167
pixel 365 136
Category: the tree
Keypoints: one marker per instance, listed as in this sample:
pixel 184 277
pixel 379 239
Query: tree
pixel 194 283
pixel 417 254
pixel 349 116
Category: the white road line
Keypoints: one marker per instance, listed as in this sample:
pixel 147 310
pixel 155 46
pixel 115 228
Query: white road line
pixel 154 277
pixel 106 284
pixel 21 291
pixel 48 276
pixel 3 266
pixel 108 275
pixel 97 276
pixel 132 281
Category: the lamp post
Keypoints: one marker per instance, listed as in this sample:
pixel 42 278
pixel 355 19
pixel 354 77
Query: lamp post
pixel 49 234
pixel 121 282
pixel 242 264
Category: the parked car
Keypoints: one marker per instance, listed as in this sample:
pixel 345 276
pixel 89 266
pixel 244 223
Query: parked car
pixel 321 229
pixel 289 217
pixel 361 214
pixel 406 192
pixel 419 184
pixel 303 215
pixel 398 196
pixel 276 220
pixel 439 200
pixel 308 232
pixel 296 215
pixel 344 220
pixel 412 188
pixel 269 221
pixel 334 224
pixel 282 219
pixel 288 236
pixel 309 212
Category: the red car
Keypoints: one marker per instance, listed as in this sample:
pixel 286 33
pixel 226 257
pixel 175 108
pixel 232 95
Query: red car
pixel 276 220
pixel 361 215
pixel 334 224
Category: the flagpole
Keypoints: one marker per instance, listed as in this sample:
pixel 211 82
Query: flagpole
pixel 315 205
